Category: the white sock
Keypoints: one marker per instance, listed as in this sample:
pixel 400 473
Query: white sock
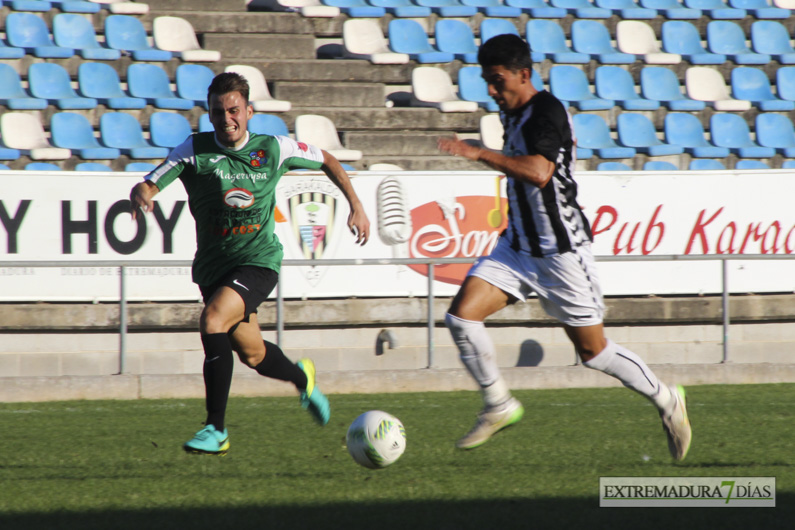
pixel 627 367
pixel 477 353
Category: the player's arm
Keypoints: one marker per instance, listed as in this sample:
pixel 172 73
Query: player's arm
pixel 535 169
pixel 142 193
pixel 357 219
pixel 141 197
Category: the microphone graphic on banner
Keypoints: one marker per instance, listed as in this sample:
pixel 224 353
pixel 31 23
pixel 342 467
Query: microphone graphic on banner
pixel 394 219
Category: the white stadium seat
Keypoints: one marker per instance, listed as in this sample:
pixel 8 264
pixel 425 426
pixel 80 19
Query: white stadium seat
pixel 259 96
pixel 124 7
pixel 433 87
pixel 491 132
pixel 321 132
pixel 176 35
pixel 308 8
pixel 364 39
pixel 25 132
pixel 633 36
pixel 707 84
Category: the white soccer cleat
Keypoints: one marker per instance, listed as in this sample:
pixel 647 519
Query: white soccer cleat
pixel 490 421
pixel 677 425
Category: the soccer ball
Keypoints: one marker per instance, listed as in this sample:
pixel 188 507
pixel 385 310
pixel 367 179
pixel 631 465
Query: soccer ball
pixel 376 439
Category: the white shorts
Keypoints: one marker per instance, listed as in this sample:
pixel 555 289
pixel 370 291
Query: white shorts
pixel 567 284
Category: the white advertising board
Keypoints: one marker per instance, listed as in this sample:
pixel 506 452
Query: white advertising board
pixel 80 217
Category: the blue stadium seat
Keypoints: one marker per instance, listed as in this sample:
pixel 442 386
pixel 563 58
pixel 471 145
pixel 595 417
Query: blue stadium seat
pixel 592 133
pixel 728 38
pixel 151 82
pixel 491 27
pixel 685 130
pixel 760 9
pixel 101 82
pixel 71 130
pixel 39 6
pixel 402 8
pixel 76 6
pixel 661 84
pixel 494 8
pixel 12 95
pixel 4 167
pixel 268 124
pixel 51 82
pixel 204 123
pixel 357 8
pixel 193 80
pixel 716 9
pixel 705 164
pixel 592 37
pixel 449 8
pixel 581 8
pixel 547 41
pixel 671 9
pixel 76 32
pixel 123 131
pixel 537 8
pixel 785 82
pixel 683 38
pixel 750 164
pixel 753 85
pixel 144 167
pixel 772 38
pixel 29 32
pixel 788 164
pixel 42 166
pixel 731 130
pixel 659 165
pixel 127 33
pixel 92 166
pixel 169 129
pixel 7 153
pixel 472 87
pixel 627 9
pixel 456 37
pixel 10 52
pixel 407 36
pixel 637 131
pixel 615 83
pixel 613 166
pixel 776 130
pixel 569 84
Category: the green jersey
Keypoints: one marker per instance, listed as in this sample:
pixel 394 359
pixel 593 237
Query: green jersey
pixel 232 197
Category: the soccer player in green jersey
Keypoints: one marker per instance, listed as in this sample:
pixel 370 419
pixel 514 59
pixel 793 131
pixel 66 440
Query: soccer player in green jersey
pixel 230 176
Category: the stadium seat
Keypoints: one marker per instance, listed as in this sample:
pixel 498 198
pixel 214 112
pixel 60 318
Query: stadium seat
pixel 537 8
pixel 785 82
pixel 12 95
pixel 364 39
pixel 612 166
pixel 168 129
pixel 38 6
pixel 760 9
pixel 494 8
pixel 4 167
pixel 402 8
pixel 671 9
pixel 716 9
pixel 772 38
pixel 123 131
pixel 101 82
pixel 569 84
pixel 10 52
pixel 705 164
pixel 433 87
pixel 142 167
pixel 788 164
pixel 124 7
pixel 7 153
pixel 707 84
pixel 547 41
pixel 73 131
pixel 384 166
pixel 661 84
pixel 615 83
pixel 627 9
pixel 591 37
pixel 449 8
pixel 776 130
pixel 752 84
pixel 638 38
pixel 593 134
pixel 192 82
pixel 357 8
pixel 637 131
pixel 750 164
pixel 42 166
pixel 25 133
pixel 728 38
pixel 407 36
pixel 50 81
pixel 456 37
pixel 731 130
pixel 259 96
pixel 176 35
pixel 268 124
pixel 685 130
pixel 76 6
pixel 581 8
pixel 491 27
pixel 77 32
pixel 204 123
pixel 320 131
pixel 659 165
pixel 29 32
pixel 307 8
pixel 127 33
pixel 150 82
pixel 491 132
pixel 679 36
pixel 92 166
pixel 472 87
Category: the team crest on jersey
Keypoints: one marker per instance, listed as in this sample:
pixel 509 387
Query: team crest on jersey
pixel 238 198
pixel 303 147
pixel 258 158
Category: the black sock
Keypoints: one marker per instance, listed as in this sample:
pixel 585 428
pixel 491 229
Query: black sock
pixel 218 365
pixel 277 366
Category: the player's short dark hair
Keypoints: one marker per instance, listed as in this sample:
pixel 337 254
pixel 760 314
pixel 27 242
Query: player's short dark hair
pixel 507 50
pixel 228 82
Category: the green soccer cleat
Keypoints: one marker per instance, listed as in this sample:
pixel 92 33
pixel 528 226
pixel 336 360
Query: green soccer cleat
pixel 312 398
pixel 490 421
pixel 208 441
pixel 676 424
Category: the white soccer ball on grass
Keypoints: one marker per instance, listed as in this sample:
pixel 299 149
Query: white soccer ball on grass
pixel 376 439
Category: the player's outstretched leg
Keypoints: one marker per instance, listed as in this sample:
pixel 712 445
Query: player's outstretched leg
pixel 311 397
pixel 208 441
pixel 676 424
pixel 490 420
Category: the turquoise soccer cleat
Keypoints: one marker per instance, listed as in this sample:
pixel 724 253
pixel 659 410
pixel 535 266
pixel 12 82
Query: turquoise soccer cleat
pixel 312 398
pixel 208 441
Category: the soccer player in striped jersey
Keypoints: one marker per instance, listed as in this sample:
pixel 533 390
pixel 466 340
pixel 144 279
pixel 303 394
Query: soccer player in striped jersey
pixel 230 176
pixel 545 249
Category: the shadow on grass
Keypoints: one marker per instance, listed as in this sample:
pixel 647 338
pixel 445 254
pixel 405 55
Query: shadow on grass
pixel 435 515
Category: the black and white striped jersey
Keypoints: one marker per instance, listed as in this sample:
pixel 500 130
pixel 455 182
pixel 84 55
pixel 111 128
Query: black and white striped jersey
pixel 543 221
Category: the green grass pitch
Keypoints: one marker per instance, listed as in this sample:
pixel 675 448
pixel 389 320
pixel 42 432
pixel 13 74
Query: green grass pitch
pixel 119 464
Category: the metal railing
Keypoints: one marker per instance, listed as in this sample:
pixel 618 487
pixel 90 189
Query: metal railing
pixel 429 262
